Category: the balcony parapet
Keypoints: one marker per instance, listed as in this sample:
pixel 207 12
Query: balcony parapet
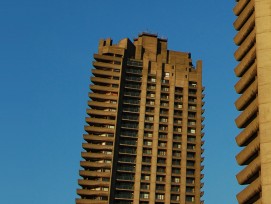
pixel 243 15
pixel 247 96
pixel 248 151
pixel 248 59
pixel 245 135
pixel 250 191
pixel 245 175
pixel 246 115
pixel 248 76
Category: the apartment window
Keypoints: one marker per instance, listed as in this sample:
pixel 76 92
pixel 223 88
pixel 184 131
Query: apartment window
pixel 163 119
pixel 144 195
pixel 166 74
pixel 146 168
pixel 176 162
pixel 145 177
pixel 161 169
pixel 175 197
pixel 146 151
pixel 162 136
pixel 160 178
pixel 175 179
pixel 145 186
pixel 147 142
pixel 148 134
pixel 162 144
pixel 190 198
pixel 162 152
pixel 160 196
pixel 160 187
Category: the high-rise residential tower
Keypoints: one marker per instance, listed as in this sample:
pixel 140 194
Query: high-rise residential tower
pixel 143 141
pixel 253 24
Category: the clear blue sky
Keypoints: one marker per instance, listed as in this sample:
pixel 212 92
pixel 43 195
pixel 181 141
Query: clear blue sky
pixel 46 49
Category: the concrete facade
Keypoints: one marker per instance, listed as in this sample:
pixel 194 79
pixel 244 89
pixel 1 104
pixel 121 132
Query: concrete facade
pixel 143 141
pixel 253 24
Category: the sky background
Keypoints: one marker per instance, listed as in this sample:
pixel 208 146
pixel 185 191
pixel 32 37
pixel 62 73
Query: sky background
pixel 46 50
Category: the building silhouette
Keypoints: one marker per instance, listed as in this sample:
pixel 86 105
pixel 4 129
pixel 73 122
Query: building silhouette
pixel 253 39
pixel 143 141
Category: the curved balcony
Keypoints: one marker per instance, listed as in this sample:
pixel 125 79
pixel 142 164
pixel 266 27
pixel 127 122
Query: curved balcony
pixel 102 96
pixel 247 153
pixel 246 62
pixel 105 138
pixel 100 72
pixel 91 129
pixel 240 6
pixel 107 58
pixel 91 183
pixel 248 76
pixel 251 190
pixel 86 192
pixel 244 176
pixel 247 96
pixel 89 201
pixel 104 80
pixel 245 46
pixel 104 88
pixel 90 155
pixel 244 15
pixel 107 65
pixel 244 136
pixel 85 173
pixel 87 146
pixel 87 164
pixel 100 121
pixel 105 112
pixel 247 114
pixel 245 30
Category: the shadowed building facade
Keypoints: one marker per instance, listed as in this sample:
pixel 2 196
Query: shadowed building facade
pixel 143 141
pixel 253 24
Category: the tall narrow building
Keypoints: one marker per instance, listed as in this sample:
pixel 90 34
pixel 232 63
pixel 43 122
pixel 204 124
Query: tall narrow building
pixel 143 141
pixel 253 24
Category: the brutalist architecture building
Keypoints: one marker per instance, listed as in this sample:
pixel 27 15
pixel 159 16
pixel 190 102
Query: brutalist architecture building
pixel 143 141
pixel 253 39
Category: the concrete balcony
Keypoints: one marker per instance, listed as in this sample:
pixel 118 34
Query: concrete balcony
pixel 104 80
pixel 90 155
pixel 97 138
pixel 246 62
pixel 106 65
pixel 91 183
pixel 100 121
pixel 251 190
pixel 243 158
pixel 101 104
pixel 86 192
pixel 84 173
pixel 91 129
pixel 88 146
pixel 248 76
pixel 88 201
pixel 103 88
pixel 240 6
pixel 100 72
pixel 244 176
pixel 101 112
pixel 245 46
pixel 102 96
pixel 244 136
pixel 243 15
pixel 87 164
pixel 107 58
pixel 245 30
pixel 247 96
pixel 247 114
